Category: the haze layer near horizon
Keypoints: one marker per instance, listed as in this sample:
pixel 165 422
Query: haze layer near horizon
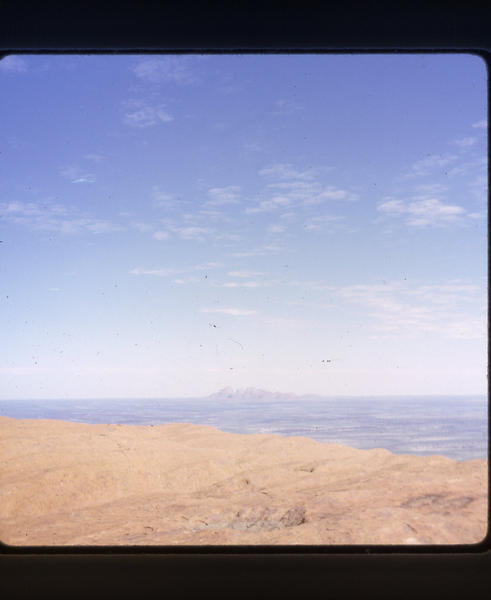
pixel 172 225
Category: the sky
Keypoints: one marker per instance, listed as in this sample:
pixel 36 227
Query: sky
pixel 307 223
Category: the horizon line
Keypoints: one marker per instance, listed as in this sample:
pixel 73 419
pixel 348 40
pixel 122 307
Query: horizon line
pixel 202 397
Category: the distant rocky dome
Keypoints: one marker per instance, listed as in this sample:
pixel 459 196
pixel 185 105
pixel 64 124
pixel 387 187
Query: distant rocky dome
pixel 250 393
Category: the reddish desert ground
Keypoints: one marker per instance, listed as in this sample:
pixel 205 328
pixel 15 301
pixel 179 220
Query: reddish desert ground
pixel 66 483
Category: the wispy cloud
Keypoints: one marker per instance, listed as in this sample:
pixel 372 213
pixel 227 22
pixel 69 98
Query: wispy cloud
pixel 464 143
pixel 259 251
pixel 430 164
pixel 292 187
pixel 161 235
pixel 269 205
pixel 209 265
pixel 138 225
pixel 223 195
pixel 163 199
pixel 93 156
pixel 244 274
pixel 468 167
pixel 155 272
pixel 277 228
pixel 432 188
pixel 423 212
pixel 253 147
pixel 13 64
pixel 287 171
pixel 235 312
pixel 446 310
pixel 480 125
pixel 168 271
pixel 450 310
pixel 244 284
pixel 48 216
pixel 85 179
pixel 321 222
pixel 285 107
pixel 186 280
pixel 144 116
pixel 168 69
pixel 77 175
pixel 192 233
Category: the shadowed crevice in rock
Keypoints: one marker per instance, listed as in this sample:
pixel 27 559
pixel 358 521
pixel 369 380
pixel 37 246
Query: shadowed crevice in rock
pixel 438 502
pixel 266 519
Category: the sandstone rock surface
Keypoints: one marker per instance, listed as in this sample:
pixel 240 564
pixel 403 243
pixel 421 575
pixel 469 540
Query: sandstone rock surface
pixel 64 483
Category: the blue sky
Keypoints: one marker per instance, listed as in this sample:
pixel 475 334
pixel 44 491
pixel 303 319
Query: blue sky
pixel 172 225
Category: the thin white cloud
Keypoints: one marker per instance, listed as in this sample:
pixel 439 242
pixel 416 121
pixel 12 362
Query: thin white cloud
pixel 392 207
pixel 260 251
pixel 329 193
pixel 223 195
pixel 333 194
pixel 163 199
pixel 77 175
pixel 93 156
pixel 147 116
pixel 168 69
pixel 13 64
pixel 235 312
pixel 165 272
pixel 464 143
pixel 423 212
pixel 48 216
pixel 276 228
pixel 451 310
pixel 142 227
pixel 430 164
pixel 187 280
pixel 85 179
pixel 432 212
pixel 244 274
pixel 161 235
pixel 21 208
pixel 253 147
pixel 93 225
pixel 208 265
pixel 447 311
pixel 213 215
pixel 302 188
pixel 155 272
pixel 468 167
pixel 192 233
pixel 285 107
pixel 269 205
pixel 305 193
pixel 287 171
pixel 290 187
pixel 243 284
pixel 432 188
pixel 321 222
pixel 480 124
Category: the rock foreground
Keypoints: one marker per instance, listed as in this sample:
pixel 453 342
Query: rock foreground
pixel 64 483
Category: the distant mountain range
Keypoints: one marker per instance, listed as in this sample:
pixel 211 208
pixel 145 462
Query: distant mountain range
pixel 252 393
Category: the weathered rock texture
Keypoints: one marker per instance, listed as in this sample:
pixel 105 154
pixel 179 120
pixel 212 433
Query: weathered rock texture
pixel 68 483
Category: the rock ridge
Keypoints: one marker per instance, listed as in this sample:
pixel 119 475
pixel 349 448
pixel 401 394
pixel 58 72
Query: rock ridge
pixel 73 484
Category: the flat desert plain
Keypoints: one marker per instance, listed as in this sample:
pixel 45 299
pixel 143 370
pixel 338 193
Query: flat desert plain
pixel 65 483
